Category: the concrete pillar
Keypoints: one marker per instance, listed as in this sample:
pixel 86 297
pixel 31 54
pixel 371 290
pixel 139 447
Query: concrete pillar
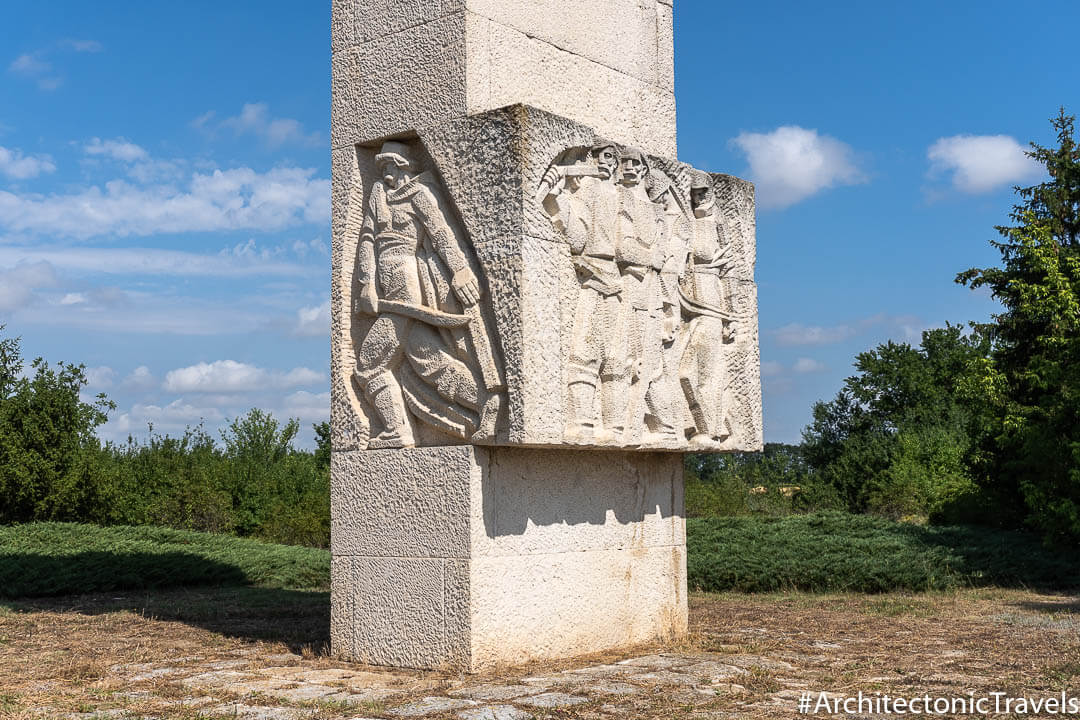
pixel 403 64
pixel 536 309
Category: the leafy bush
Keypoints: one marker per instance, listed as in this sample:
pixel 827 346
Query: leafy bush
pixel 47 441
pixel 839 552
pixel 775 482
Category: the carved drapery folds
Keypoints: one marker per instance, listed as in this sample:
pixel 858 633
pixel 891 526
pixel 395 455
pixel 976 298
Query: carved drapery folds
pixel 649 359
pixel 426 367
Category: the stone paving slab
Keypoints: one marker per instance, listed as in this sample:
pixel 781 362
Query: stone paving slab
pixel 714 671
pixel 612 688
pixel 431 705
pixel 666 677
pixel 248 712
pixel 215 678
pixel 553 700
pixel 749 661
pixel 494 692
pixel 494 712
pixel 658 662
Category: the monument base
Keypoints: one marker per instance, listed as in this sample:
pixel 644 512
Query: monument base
pixel 473 557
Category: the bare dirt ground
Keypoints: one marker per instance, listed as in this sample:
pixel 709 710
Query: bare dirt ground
pixel 252 653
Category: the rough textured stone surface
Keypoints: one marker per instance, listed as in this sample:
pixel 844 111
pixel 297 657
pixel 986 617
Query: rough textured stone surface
pixel 430 705
pixel 549 565
pixel 494 692
pixel 493 172
pixel 494 712
pixel 612 688
pixel 553 700
pixel 399 81
pixel 655 661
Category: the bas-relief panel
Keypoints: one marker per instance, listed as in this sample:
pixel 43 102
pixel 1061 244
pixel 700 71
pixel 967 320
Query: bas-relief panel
pixel 654 318
pixel 661 316
pixel 427 368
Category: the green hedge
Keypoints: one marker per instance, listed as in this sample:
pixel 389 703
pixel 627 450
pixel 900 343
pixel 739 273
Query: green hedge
pixel 838 552
pixel 40 559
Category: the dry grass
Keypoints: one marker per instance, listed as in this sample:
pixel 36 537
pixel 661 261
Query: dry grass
pixel 64 654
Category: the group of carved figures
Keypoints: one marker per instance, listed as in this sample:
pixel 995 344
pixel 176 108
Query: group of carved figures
pixel 649 326
pixel 651 315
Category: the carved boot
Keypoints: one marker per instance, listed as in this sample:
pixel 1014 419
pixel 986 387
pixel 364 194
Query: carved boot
pixel 614 398
pixel 385 396
pixel 489 416
pixel 582 391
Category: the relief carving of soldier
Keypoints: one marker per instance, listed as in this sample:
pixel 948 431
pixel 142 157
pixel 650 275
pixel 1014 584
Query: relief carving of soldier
pixel 427 355
pixel 642 256
pixel 702 369
pixel 584 203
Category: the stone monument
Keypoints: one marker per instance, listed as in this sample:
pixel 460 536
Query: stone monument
pixel 536 311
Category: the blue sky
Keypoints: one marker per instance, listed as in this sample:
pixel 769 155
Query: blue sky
pixel 164 184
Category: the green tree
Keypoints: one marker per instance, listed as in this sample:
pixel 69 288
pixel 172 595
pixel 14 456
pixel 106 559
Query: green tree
pixel 1027 394
pixel 894 439
pixel 47 443
pixel 322 445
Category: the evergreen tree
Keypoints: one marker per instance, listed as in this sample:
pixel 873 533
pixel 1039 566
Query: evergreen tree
pixel 1027 394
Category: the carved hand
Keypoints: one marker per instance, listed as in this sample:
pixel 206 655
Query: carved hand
pixel 671 326
pixel 367 302
pixel 466 287
pixel 552 178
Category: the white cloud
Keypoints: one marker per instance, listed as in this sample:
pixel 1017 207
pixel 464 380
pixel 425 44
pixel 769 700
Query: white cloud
pixel 23 167
pixel 18 285
pixel 981 163
pixel 796 334
pixel 118 149
pixel 771 368
pixel 140 379
pixel 87 46
pixel 203 120
pixel 172 417
pixel 313 321
pixel 792 163
pixel 34 66
pixel 315 245
pixel 237 199
pixel 152 261
pixel 808 365
pixel 139 164
pixel 306 406
pixel 100 378
pixel 29 64
pixel 232 376
pixel 255 119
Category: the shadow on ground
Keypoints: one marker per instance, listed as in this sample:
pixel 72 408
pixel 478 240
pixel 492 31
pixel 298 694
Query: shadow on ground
pixel 1069 607
pixel 172 586
pixel 299 619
